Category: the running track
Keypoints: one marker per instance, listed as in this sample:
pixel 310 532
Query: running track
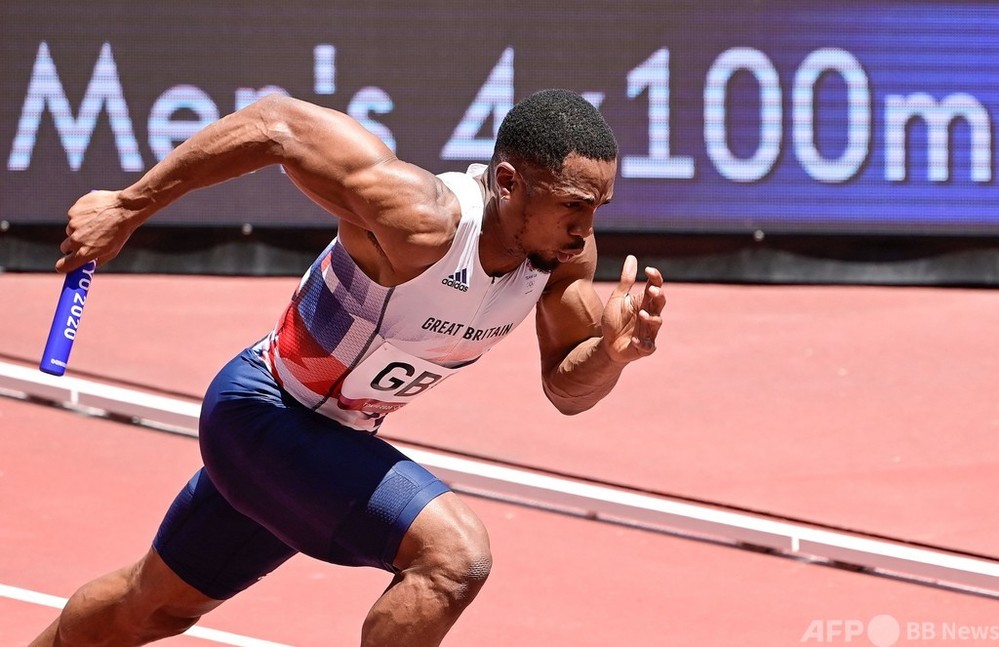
pixel 866 408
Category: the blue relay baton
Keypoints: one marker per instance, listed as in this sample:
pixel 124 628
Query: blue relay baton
pixel 67 317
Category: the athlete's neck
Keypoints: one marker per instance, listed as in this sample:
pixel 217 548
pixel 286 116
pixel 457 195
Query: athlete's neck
pixel 496 255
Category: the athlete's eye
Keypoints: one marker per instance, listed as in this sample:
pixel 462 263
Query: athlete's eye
pixel 573 204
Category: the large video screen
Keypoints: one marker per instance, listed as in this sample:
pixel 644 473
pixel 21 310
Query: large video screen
pixel 860 117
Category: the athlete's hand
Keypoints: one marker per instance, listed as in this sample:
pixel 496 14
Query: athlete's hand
pixel 631 323
pixel 99 225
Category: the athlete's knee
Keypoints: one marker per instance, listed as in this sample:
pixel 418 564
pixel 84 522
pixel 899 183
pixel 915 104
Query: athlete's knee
pixel 465 568
pixel 163 623
pixel 135 605
pixel 457 558
pixel 119 608
pixel 165 604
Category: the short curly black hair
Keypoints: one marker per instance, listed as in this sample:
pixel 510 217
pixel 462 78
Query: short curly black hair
pixel 548 126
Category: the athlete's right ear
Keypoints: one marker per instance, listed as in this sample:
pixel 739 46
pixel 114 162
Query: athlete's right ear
pixel 506 179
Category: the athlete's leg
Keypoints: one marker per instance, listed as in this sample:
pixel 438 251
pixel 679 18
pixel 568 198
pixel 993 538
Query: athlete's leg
pixel 132 606
pixel 205 552
pixel 280 478
pixel 347 497
pixel 443 561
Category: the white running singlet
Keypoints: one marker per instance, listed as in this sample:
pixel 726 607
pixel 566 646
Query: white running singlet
pixel 354 350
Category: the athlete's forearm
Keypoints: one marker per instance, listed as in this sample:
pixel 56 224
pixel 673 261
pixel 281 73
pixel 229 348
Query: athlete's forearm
pixel 583 378
pixel 236 144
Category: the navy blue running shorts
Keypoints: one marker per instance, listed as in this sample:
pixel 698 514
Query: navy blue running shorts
pixel 280 479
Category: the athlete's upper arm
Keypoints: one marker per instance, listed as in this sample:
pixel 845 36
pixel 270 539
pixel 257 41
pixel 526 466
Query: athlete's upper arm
pixel 351 173
pixel 569 311
pixel 341 165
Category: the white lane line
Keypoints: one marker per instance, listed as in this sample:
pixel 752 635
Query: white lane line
pixel 938 566
pixel 215 635
pixel 32 597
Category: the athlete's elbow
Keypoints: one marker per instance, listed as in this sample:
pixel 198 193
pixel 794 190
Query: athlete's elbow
pixel 273 116
pixel 282 125
pixel 566 404
pixel 572 408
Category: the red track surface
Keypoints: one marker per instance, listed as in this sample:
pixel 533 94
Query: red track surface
pixel 869 408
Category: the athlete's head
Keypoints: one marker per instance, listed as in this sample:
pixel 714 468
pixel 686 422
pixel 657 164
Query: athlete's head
pixel 547 126
pixel 556 159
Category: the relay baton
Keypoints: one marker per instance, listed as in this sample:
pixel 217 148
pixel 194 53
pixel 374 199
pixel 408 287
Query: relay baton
pixel 66 321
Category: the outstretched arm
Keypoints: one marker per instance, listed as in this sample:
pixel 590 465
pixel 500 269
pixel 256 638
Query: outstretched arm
pixel 336 162
pixel 585 345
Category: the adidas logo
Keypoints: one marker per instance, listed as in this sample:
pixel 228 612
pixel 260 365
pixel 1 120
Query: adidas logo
pixel 458 280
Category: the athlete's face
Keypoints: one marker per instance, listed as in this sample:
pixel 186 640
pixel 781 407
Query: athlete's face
pixel 557 211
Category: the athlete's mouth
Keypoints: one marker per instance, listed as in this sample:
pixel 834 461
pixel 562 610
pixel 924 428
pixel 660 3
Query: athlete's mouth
pixel 568 254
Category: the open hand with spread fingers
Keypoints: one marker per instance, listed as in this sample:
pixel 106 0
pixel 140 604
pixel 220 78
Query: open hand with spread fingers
pixel 630 322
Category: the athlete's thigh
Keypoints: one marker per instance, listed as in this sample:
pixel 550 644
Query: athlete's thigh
pixel 212 547
pixel 334 493
pixel 168 592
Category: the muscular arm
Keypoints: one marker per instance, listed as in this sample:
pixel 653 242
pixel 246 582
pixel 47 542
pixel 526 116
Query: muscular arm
pixel 330 157
pixel 584 344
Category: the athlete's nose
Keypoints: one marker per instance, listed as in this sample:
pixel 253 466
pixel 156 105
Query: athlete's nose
pixel 582 227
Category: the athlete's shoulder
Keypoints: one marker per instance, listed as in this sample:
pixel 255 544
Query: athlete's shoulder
pixel 466 189
pixel 415 223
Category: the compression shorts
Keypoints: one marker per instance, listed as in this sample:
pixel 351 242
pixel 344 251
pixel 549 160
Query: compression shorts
pixel 280 479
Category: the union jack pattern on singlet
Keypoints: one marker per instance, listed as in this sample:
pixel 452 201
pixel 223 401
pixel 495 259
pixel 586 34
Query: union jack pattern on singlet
pixel 330 323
